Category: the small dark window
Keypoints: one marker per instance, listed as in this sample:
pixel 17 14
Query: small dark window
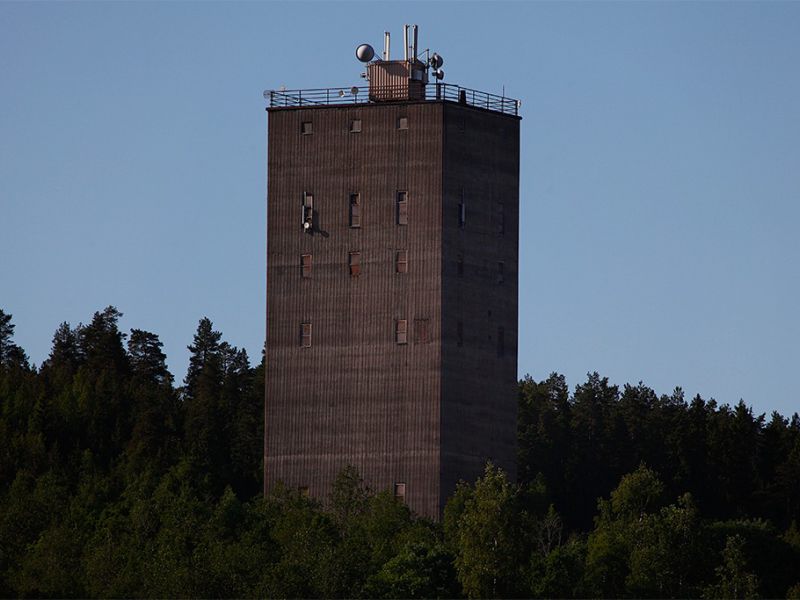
pixel 355 126
pixel 401 261
pixel 305 335
pixel 402 208
pixel 402 123
pixel 306 128
pixel 501 341
pixel 462 214
pixel 401 331
pixel 460 333
pixel 355 210
pixel 400 491
pixel 501 218
pixel 501 272
pixel 308 212
pixel 355 264
pixel 305 266
pixel 460 265
pixel 422 331
pixel 304 491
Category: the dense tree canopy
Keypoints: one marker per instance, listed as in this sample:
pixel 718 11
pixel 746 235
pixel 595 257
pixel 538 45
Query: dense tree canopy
pixel 116 483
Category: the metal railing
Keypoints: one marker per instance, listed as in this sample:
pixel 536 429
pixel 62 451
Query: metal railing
pixel 361 95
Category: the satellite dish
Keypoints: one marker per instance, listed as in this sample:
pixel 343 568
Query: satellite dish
pixel 365 53
pixel 341 93
pixel 354 91
pixel 439 74
pixel 436 61
pixel 306 225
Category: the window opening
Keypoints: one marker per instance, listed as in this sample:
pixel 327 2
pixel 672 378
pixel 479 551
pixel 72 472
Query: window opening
pixel 308 212
pixel 462 211
pixel 306 128
pixel 402 208
pixel 401 261
pixel 501 218
pixel 422 331
pixel 305 266
pixel 400 491
pixel 355 264
pixel 355 210
pixel 305 335
pixel 355 126
pixel 401 331
pixel 402 123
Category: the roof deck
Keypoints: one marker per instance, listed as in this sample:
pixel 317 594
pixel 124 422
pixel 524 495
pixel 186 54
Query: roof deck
pixel 372 94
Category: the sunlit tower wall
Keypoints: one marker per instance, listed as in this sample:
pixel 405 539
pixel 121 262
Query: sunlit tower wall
pixel 392 260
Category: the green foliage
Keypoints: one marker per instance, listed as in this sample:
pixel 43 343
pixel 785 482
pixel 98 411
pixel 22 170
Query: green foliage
pixel 418 570
pixel 485 535
pixel 733 578
pixel 641 548
pixel 115 483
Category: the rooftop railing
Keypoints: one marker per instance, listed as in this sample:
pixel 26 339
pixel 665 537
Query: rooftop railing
pixel 361 95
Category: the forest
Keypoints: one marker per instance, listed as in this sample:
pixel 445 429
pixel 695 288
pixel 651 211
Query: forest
pixel 116 481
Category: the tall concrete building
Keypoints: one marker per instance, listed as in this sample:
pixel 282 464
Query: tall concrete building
pixel 392 256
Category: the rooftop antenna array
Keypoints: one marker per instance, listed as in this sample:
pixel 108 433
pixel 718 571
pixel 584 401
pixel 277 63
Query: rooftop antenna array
pixel 366 53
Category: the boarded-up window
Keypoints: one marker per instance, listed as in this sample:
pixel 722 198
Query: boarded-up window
pixel 460 333
pixel 400 491
pixel 308 211
pixel 401 331
pixel 306 128
pixel 422 331
pixel 402 123
pixel 401 261
pixel 355 126
pixel 305 335
pixel 501 341
pixel 460 265
pixel 355 210
pixel 305 265
pixel 402 208
pixel 501 272
pixel 304 491
pixel 354 261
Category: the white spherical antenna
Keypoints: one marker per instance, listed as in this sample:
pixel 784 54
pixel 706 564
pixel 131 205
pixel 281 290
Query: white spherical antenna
pixel 365 53
pixel 436 61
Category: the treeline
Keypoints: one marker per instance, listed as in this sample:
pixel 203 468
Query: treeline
pixel 116 482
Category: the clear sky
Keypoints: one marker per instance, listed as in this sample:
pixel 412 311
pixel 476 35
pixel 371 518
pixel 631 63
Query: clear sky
pixel 660 172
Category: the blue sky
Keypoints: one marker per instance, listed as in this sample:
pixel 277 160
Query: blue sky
pixel 660 172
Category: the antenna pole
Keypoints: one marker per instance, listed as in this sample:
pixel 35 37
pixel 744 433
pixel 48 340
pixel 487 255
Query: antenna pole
pixel 386 38
pixel 405 42
pixel 414 53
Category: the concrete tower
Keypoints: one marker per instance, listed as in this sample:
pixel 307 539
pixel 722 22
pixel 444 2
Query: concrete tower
pixel 392 255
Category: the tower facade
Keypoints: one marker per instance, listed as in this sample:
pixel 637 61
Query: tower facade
pixel 392 255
